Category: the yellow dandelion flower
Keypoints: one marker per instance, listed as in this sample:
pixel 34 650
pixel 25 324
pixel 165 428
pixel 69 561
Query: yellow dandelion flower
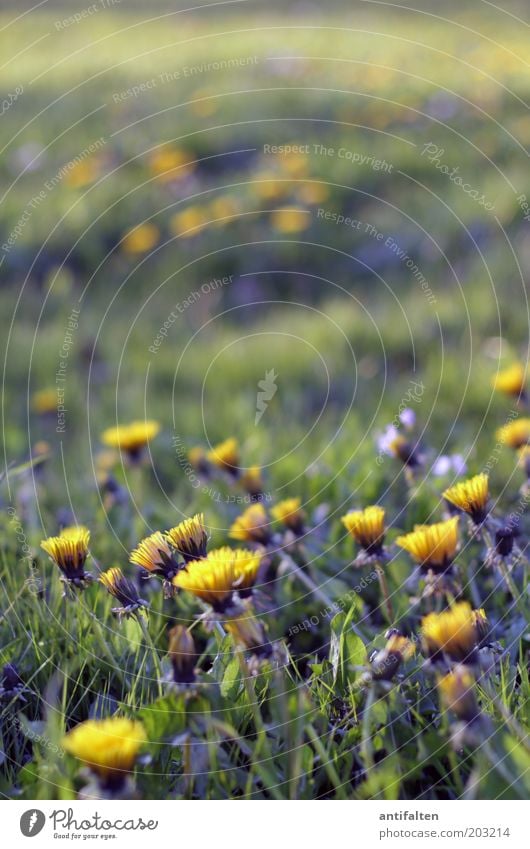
pixel 269 187
pixel 131 438
pixel 386 662
pixel 69 551
pixel 170 163
pixel 290 220
pixel 405 451
pixel 289 512
pixel 313 193
pixel 182 655
pixel 452 632
pixel 252 525
pixel 367 527
pixel 155 555
pixel 83 173
pixel 295 164
pixel 44 401
pixel 189 538
pixel 197 458
pixel 189 222
pixel 471 496
pixel 109 747
pixel 252 481
pixel 432 546
pixel 140 239
pixel 122 589
pixel 457 692
pixel 223 207
pixel 511 380
pixel 221 573
pixel 225 455
pixel 515 434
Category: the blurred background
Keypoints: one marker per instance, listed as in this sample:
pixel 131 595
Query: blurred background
pixel 194 195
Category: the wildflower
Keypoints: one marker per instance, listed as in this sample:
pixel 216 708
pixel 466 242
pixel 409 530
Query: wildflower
pixel 407 417
pixel 449 463
pixel 290 220
pixel 182 655
pixel 170 163
pixel 189 222
pixel 248 632
pixel 219 575
pixel 515 434
pixel 131 438
pixel 140 239
pixel 225 456
pixel 252 482
pixel 458 694
pixel 123 590
pixel 452 632
pixel 252 525
pixel 222 208
pixel 511 381
pixel 470 496
pixel 155 555
pixel 524 459
pixel 197 458
pixel 189 538
pixel 432 546
pixel 385 663
pixel 70 551
pixel 406 451
pixel 505 537
pixel 367 527
pixel 289 512
pixel 313 193
pixel 44 401
pixel 109 747
pixel 481 624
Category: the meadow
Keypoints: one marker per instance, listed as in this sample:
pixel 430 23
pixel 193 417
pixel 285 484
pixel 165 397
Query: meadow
pixel 260 271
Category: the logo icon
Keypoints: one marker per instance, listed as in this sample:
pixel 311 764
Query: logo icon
pixel 268 391
pixel 32 822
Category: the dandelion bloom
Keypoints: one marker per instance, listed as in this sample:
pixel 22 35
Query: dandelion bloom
pixel 252 481
pixel 189 538
pixel 44 401
pixel 432 546
pixel 189 222
pixel 386 662
pixel 122 589
pixel 221 573
pixel 452 632
pixel 155 555
pixel 170 163
pixel 470 496
pixel 197 458
pixel 109 747
pixel 289 512
pixel 252 525
pixel 515 434
pixel 69 551
pixel 291 220
pixel 511 380
pixel 182 655
pixel 131 438
pixel 225 455
pixel 140 239
pixel 457 692
pixel 367 527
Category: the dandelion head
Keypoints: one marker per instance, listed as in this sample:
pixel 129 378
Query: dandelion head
pixel 367 527
pixel 470 496
pixel 432 546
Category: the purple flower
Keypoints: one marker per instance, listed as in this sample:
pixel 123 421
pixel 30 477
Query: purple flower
pixel 407 418
pixel 385 439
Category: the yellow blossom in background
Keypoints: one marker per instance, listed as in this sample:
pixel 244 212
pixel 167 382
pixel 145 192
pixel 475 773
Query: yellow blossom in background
pixel 225 455
pixel 222 572
pixel 189 222
pixel 270 187
pixel 170 163
pixel 252 525
pixel 290 220
pixel 511 380
pixel 84 172
pixel 109 747
pixel 155 555
pixel 471 496
pixel 294 163
pixel 367 527
pixel 432 546
pixel 451 632
pixel 515 434
pixel 223 207
pixel 189 538
pixel 198 459
pixel 249 633
pixel 205 102
pixel 289 512
pixel 44 401
pixel 140 239
pixel 131 438
pixel 252 481
pixel 457 692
